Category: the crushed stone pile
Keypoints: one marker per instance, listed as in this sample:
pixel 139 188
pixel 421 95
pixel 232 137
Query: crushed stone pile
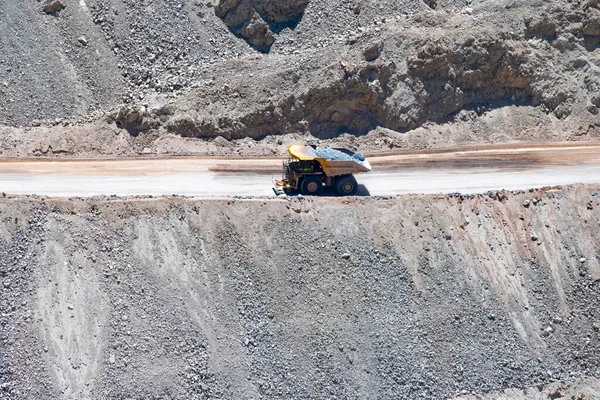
pixel 331 154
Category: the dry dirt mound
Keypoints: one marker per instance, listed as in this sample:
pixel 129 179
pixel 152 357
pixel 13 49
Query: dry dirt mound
pixel 410 297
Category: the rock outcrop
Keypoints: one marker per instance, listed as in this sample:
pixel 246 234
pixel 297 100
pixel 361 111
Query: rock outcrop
pixel 133 120
pixel 255 20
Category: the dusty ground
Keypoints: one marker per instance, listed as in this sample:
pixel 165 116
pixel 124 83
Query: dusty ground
pixel 411 297
pixel 464 170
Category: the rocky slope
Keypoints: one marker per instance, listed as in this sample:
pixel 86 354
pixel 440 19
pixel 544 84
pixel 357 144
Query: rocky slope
pixel 407 297
pixel 407 72
pixel 171 70
pixel 94 55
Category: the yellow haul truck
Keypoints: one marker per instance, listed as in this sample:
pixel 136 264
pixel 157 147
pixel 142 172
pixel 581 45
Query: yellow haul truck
pixel 312 168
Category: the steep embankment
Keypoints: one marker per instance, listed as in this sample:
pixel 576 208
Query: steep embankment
pixel 82 58
pixel 407 297
pixel 410 71
pixel 123 77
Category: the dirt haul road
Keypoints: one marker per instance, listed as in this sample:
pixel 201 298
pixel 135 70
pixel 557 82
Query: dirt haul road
pixel 464 170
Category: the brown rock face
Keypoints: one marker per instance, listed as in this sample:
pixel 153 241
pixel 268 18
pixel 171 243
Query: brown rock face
pixel 540 26
pixel 584 21
pixel 441 77
pixel 254 20
pixel 133 120
pixel 351 102
pixel 446 76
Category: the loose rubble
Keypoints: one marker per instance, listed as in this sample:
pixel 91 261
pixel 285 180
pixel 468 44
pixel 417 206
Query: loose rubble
pixel 152 298
pixel 374 68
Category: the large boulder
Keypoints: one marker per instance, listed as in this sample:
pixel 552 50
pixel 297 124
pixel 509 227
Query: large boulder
pixel 540 26
pixel 52 7
pixel 257 33
pixel 134 120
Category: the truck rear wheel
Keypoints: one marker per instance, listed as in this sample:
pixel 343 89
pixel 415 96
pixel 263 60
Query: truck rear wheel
pixel 347 186
pixel 311 185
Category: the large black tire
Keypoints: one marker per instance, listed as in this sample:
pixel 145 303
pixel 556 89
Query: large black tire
pixel 311 185
pixel 346 186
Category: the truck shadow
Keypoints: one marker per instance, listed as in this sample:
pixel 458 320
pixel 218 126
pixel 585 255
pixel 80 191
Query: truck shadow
pixel 362 191
pixel 331 192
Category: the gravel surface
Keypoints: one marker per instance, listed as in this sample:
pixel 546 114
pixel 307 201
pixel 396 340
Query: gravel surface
pixel 409 297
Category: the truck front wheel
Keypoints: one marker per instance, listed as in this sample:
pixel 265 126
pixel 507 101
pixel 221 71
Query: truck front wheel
pixel 311 185
pixel 347 186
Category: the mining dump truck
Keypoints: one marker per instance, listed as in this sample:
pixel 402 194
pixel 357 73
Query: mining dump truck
pixel 312 169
